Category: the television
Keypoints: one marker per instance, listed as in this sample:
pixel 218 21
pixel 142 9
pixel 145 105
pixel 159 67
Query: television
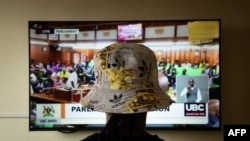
pixel 188 55
pixel 129 32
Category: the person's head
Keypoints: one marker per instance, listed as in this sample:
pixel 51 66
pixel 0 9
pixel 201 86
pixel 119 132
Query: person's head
pixel 64 70
pixel 191 82
pixel 184 71
pixel 162 64
pixel 126 81
pixel 163 59
pixel 57 78
pixel 64 80
pixel 173 71
pixel 204 62
pixel 71 70
pixel 163 81
pixel 214 107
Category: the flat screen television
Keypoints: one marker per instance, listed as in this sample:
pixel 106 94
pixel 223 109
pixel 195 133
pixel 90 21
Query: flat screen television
pixel 187 51
pixel 129 32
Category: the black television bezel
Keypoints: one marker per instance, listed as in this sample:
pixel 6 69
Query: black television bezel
pixel 82 127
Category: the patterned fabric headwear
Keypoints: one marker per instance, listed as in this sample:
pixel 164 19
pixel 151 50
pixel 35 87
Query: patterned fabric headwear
pixel 126 81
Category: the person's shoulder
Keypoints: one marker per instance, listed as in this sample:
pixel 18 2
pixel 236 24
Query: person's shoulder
pixel 148 138
pixel 96 137
pixel 93 137
pixel 155 138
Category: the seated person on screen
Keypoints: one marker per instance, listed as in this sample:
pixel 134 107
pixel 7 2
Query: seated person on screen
pixel 33 79
pixel 216 76
pixel 191 92
pixel 64 74
pixel 72 81
pixel 216 68
pixel 125 91
pixel 80 73
pixel 163 79
pixel 185 64
pixel 195 65
pixel 203 64
pixel 39 88
pixel 213 113
pixel 171 73
pixel 57 81
pixel 209 72
pixel 171 91
pixel 162 63
pixel 88 72
pixel 55 67
pixel 48 84
pixel 184 72
pixel 176 64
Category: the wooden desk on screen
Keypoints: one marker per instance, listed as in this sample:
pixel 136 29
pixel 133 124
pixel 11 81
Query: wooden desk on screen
pixel 49 97
pixel 60 95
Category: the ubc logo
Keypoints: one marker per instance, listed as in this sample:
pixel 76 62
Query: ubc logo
pixel 195 109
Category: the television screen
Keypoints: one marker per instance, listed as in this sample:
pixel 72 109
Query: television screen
pixel 129 32
pixel 188 55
